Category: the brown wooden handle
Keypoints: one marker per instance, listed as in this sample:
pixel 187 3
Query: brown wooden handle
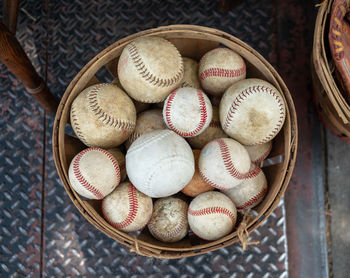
pixel 14 57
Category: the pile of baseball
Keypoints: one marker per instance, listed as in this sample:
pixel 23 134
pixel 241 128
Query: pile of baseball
pixel 175 145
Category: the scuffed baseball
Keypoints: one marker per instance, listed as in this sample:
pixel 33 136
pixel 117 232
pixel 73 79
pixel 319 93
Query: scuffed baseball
pixel 251 191
pixel 212 215
pixel 120 157
pixel 197 185
pixel 150 68
pixel 219 69
pixel 146 121
pixel 224 163
pixel 190 78
pixel 160 163
pixel 94 173
pixel 103 116
pixel 127 209
pixel 252 111
pixel 169 219
pixel 212 132
pixel 258 153
pixel 187 111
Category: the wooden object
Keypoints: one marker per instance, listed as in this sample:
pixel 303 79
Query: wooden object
pixel 14 57
pixel 332 107
pixel 10 12
pixel 191 41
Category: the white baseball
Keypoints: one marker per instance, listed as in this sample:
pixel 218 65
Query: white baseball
pixel 126 208
pixel 94 173
pixel 251 191
pixel 146 121
pixel 252 111
pixel 149 68
pixel 160 163
pixel 224 163
pixel 219 69
pixel 212 132
pixel 190 78
pixel 103 116
pixel 212 215
pixel 259 152
pixel 169 219
pixel 120 157
pixel 187 111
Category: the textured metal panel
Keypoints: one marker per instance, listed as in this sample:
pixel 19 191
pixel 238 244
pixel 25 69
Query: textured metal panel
pixel 78 31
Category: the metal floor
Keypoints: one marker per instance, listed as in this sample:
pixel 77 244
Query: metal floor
pixel 42 234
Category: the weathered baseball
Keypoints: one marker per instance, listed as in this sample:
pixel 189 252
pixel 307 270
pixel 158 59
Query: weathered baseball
pixel 94 173
pixel 150 68
pixel 160 163
pixel 169 219
pixel 259 152
pixel 103 116
pixel 252 111
pixel 120 157
pixel 190 78
pixel 146 121
pixel 212 132
pixel 251 191
pixel 187 111
pixel 212 215
pixel 197 185
pixel 224 163
pixel 219 69
pixel 126 208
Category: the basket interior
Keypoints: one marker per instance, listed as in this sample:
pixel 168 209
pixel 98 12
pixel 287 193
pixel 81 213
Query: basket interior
pixel 191 44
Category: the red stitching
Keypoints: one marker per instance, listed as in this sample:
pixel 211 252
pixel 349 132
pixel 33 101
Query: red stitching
pixel 264 155
pixel 212 210
pixel 203 116
pixel 210 182
pixel 222 72
pixel 252 201
pixel 244 94
pixel 79 176
pixel 75 124
pixel 133 209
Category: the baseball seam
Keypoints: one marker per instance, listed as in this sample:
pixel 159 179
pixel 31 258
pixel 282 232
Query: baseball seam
pixel 203 115
pixel 76 126
pixel 133 209
pixel 244 95
pixel 102 115
pixel 170 234
pixel 254 200
pixel 153 139
pixel 219 72
pixel 145 72
pixel 210 182
pixel 263 156
pixel 81 179
pixel 185 84
pixel 337 27
pixel 212 210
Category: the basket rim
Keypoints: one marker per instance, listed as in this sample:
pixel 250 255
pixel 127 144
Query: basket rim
pixel 125 239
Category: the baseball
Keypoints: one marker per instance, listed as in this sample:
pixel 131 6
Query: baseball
pixel 190 78
pixel 252 111
pixel 160 163
pixel 219 69
pixel 126 208
pixel 258 153
pixel 120 157
pixel 212 132
pixel 251 191
pixel 224 163
pixel 94 173
pixel 197 185
pixel 169 219
pixel 212 215
pixel 146 121
pixel 187 111
pixel 149 68
pixel 103 116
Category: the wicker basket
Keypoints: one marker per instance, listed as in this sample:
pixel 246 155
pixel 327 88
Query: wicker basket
pixel 333 109
pixel 192 41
